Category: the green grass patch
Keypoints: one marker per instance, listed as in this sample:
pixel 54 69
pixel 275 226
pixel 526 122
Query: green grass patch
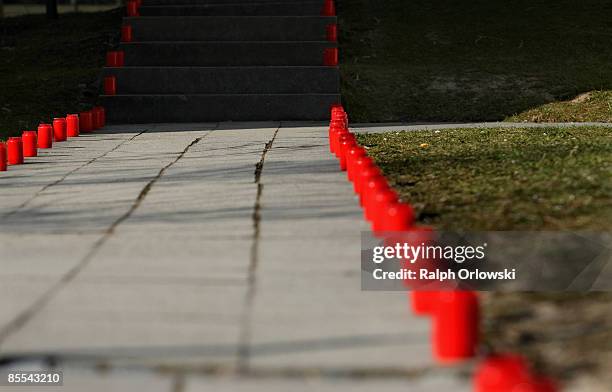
pixel 592 106
pixel 501 179
pixel 517 179
pixel 451 60
pixel 51 67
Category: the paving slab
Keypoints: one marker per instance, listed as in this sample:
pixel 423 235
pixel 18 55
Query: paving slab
pixel 420 384
pixel 226 253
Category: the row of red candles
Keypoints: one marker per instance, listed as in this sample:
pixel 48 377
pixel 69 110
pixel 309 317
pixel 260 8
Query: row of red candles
pixel 455 313
pixel 116 58
pixel 16 149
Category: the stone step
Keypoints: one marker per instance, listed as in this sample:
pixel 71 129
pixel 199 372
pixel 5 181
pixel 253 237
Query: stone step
pixel 225 80
pixel 224 53
pixel 243 9
pixel 133 109
pixel 229 28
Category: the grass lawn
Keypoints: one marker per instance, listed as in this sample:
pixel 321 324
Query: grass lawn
pixel 501 179
pixel 450 60
pixel 523 179
pixel 51 67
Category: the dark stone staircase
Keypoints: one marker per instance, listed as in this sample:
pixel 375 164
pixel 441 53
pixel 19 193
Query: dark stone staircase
pixel 220 60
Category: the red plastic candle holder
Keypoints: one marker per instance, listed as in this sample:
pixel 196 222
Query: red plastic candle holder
pixel 366 174
pixel 346 141
pixel 330 57
pixel 59 129
pixel 72 125
pixel 45 136
pixel 132 8
pixel 329 8
pixel 381 200
pixel 374 185
pixel 335 107
pixel 110 85
pixel 112 59
pixel 424 303
pixel 30 143
pixel 500 372
pixel 126 34
pixel 331 32
pixel 397 217
pixel 98 117
pixel 353 154
pixel 14 149
pixel 455 326
pixel 86 121
pixel 120 58
pixel 3 159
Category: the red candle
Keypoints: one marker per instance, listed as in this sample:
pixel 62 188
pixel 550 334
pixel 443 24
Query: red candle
pixel 3 162
pixel 339 115
pixel 102 114
pixel 14 151
pixel 72 125
pixel 120 58
pixel 353 154
pixel 329 8
pixel 424 302
pixel 334 127
pixel 398 216
pixel 455 326
pixel 332 32
pixel 30 144
pixel 330 57
pixel 98 117
pixel 336 107
pixel 45 136
pixel 111 59
pixel 132 8
pixel 500 372
pixel 346 142
pixel 59 129
pixel 372 186
pixel 126 34
pixel 360 164
pixel 86 121
pixel 381 200
pixel 110 85
pixel 337 138
pixel 367 171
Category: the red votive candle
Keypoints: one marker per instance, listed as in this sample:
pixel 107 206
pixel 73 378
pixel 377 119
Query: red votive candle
pixel 455 326
pixel 30 144
pixel 110 85
pixel 332 32
pixel 59 129
pixel 330 57
pixel 120 58
pixel 72 125
pixel 132 8
pixel 98 117
pixel 14 151
pixel 329 8
pixel 3 162
pixel 111 59
pixel 126 34
pixel 86 121
pixel 45 136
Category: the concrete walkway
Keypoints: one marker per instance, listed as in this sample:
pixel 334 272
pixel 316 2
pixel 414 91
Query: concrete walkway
pixel 217 257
